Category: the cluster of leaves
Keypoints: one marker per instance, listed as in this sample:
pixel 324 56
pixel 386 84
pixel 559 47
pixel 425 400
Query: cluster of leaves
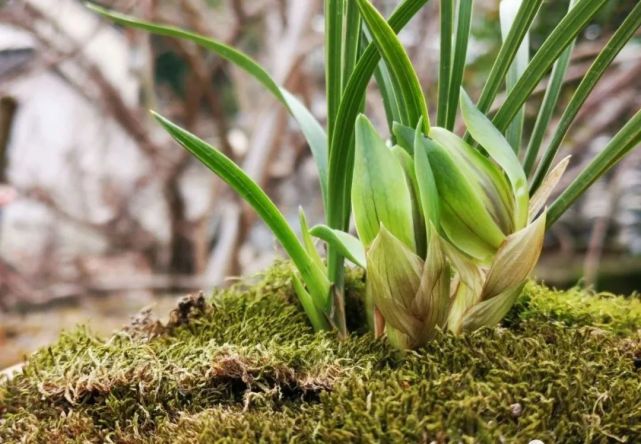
pixel 448 227
pixel 249 368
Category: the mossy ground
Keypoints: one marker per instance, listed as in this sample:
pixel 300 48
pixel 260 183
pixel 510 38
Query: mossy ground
pixel 246 367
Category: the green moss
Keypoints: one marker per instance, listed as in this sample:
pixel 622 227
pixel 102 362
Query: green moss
pixel 578 307
pixel 247 367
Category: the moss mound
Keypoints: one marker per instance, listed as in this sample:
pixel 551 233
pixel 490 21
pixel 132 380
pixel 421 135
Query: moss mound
pixel 245 366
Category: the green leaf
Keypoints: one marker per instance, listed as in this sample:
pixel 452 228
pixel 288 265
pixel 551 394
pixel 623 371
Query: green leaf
pixel 228 171
pixel 516 259
pixel 352 40
pixel 334 11
pixel 349 246
pixel 404 76
pixel 341 150
pixel 539 199
pixel 490 312
pixel 484 175
pixel 308 242
pixel 312 130
pixel 464 217
pixel 388 94
pixel 342 34
pixel 467 270
pixel 404 136
pixel 432 300
pixel 609 52
pixel 621 144
pixel 317 319
pixel 463 23
pixel 428 191
pixel 464 299
pixel 407 163
pixel 550 100
pixel 380 193
pixel 445 63
pixel 508 12
pixel 560 38
pixel 521 26
pixel 394 274
pixel 482 130
pixel 342 46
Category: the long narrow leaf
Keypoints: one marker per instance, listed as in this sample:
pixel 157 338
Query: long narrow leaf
pixel 334 21
pixel 623 142
pixel 404 76
pixel 507 53
pixel 390 100
pixel 352 44
pixel 341 149
pixel 445 63
pixel 550 100
pixel 560 38
pixel 313 131
pixel 334 64
pixel 508 11
pixel 463 24
pixel 612 48
pixel 229 172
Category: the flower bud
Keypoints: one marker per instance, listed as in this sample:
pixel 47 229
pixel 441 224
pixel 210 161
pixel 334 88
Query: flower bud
pixel 411 294
pixel 466 218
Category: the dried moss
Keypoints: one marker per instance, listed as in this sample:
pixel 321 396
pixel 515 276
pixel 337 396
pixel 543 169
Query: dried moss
pixel 247 368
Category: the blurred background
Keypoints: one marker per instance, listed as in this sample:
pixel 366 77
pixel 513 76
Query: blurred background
pixel 102 215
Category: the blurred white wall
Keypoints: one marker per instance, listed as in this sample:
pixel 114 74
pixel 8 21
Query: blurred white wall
pixel 63 143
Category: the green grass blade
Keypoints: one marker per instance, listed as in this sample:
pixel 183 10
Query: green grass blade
pixel 334 20
pixel 229 172
pixel 560 38
pixel 388 94
pixel 612 48
pixel 623 142
pixel 341 148
pixel 343 33
pixel 508 12
pixel 316 138
pixel 463 23
pixel 312 130
pixel 404 77
pixel 550 100
pixel 445 63
pixel 341 152
pixel 352 45
pixel 507 53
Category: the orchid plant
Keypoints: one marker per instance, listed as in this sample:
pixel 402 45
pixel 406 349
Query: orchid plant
pixel 449 226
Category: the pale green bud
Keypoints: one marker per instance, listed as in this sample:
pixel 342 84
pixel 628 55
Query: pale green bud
pixel 412 295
